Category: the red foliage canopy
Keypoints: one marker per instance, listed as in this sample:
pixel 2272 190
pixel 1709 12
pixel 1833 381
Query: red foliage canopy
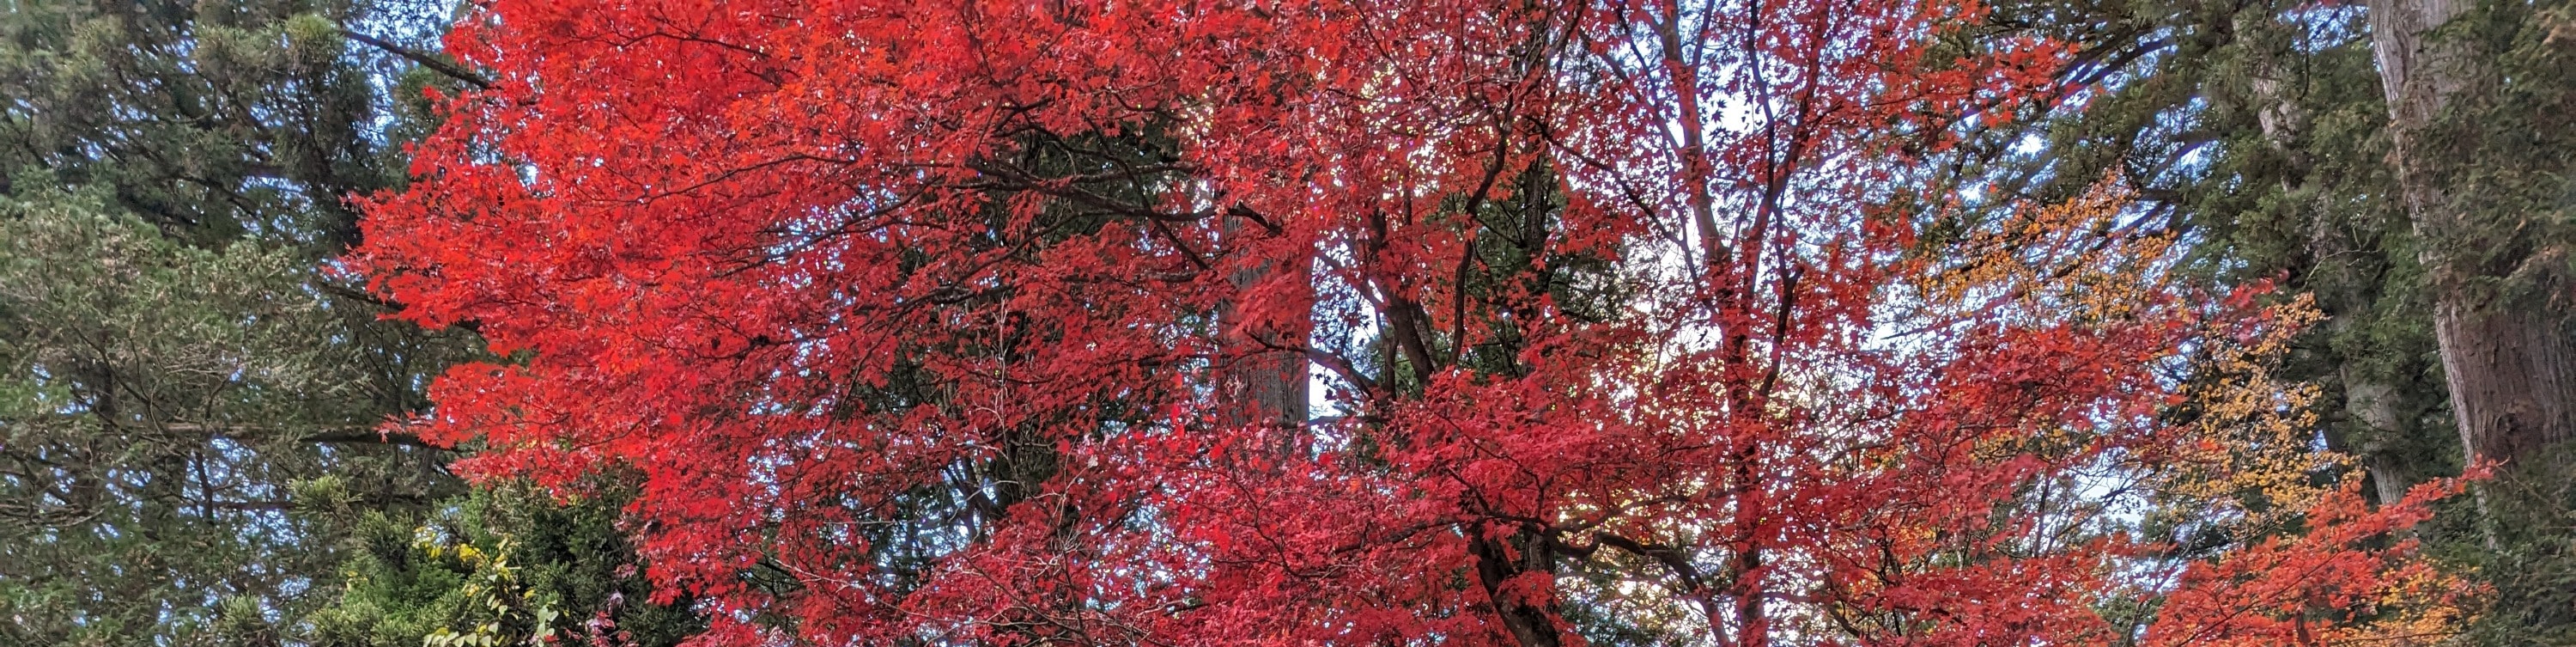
pixel 947 322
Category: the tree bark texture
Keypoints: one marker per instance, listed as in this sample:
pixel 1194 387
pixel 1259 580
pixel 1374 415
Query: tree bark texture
pixel 2510 367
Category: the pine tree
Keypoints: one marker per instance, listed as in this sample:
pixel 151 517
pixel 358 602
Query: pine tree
pixel 174 355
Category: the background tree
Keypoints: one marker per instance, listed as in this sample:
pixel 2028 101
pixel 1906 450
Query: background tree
pixel 179 372
pixel 174 358
pixel 2471 89
pixel 503 565
pixel 2255 130
pixel 2264 131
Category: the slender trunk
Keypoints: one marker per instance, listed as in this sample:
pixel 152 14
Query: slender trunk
pixel 2512 387
pixel 2375 405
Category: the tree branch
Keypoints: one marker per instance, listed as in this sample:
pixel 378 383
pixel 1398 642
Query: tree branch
pixel 425 59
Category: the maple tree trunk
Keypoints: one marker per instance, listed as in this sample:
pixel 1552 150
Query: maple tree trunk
pixel 2513 390
pixel 1530 625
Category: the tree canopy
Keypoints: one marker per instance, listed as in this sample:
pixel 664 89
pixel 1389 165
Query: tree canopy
pixel 967 323
pixel 1194 322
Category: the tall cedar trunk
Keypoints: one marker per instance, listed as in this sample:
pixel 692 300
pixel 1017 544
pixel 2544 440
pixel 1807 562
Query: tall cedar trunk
pixel 1262 370
pixel 2372 403
pixel 2342 287
pixel 2375 404
pixel 2513 377
pixel 2512 386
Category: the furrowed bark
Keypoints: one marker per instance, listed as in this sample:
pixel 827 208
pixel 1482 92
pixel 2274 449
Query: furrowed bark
pixel 2507 358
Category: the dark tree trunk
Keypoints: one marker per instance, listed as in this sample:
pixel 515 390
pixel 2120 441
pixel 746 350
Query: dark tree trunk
pixel 1498 560
pixel 1263 370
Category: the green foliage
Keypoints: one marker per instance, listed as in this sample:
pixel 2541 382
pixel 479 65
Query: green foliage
pixel 505 565
pixel 2260 132
pixel 151 386
pixel 2507 151
pixel 172 354
pixel 159 397
pixel 2514 538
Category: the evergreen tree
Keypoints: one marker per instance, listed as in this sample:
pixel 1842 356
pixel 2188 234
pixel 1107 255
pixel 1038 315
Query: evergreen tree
pixel 2263 132
pixel 2257 130
pixel 505 564
pixel 189 398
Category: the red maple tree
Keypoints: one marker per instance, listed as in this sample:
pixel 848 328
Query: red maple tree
pixel 992 321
